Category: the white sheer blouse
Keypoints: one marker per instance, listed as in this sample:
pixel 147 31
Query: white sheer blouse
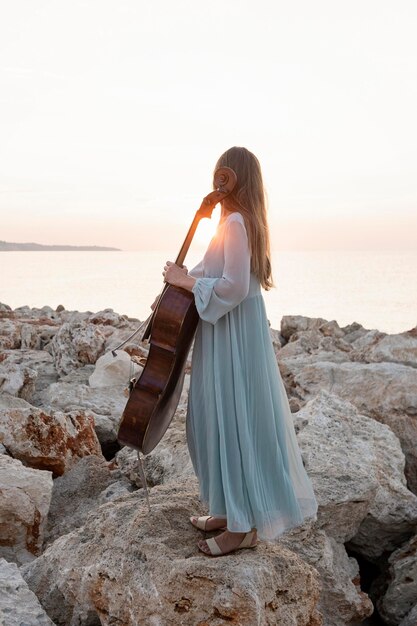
pixel 223 275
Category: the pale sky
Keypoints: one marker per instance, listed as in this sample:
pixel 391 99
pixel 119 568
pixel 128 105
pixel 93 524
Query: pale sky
pixel 113 114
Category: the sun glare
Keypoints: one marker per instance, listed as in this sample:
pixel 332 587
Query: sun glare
pixel 207 227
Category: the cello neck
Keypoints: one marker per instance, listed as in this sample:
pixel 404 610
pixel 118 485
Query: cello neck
pixel 187 241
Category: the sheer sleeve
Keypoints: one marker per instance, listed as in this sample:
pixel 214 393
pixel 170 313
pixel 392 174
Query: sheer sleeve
pixel 214 297
pixel 197 270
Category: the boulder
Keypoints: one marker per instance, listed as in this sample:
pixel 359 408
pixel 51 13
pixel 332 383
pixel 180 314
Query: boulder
pixel 341 599
pixel 411 618
pixel 18 604
pixel 401 594
pixel 395 348
pixel 168 462
pixel 37 336
pixel 88 484
pixel 357 468
pixel 295 324
pixel 17 380
pixel 9 334
pixel 131 566
pixel 108 317
pixel 38 361
pixel 387 392
pixel 104 404
pixel 113 369
pixel 25 496
pixel 76 344
pixel 46 440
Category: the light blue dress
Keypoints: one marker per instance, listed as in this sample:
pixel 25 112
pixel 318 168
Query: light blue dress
pixel 240 431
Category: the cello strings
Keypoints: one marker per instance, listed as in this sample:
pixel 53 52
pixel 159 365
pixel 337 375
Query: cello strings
pixel 113 350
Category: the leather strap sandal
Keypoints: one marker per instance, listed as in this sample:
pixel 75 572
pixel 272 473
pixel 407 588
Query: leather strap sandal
pixel 201 522
pixel 216 551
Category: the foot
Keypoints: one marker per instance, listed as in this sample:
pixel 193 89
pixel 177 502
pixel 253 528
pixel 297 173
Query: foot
pixel 213 522
pixel 227 542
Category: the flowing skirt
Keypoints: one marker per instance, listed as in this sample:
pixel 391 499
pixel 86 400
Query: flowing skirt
pixel 240 431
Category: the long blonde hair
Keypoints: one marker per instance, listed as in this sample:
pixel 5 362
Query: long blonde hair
pixel 249 198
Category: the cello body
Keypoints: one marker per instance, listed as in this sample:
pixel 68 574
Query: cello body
pixel 154 396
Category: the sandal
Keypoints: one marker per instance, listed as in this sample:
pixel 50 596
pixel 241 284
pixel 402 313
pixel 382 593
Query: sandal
pixel 216 551
pixel 201 523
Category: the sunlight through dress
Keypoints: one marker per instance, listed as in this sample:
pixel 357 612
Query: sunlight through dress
pixel 240 431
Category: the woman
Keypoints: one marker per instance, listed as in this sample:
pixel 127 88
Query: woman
pixel 240 432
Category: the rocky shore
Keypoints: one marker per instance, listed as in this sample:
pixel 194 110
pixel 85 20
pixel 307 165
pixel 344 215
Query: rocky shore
pixel 78 546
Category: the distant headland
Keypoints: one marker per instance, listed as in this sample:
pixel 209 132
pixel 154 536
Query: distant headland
pixel 9 247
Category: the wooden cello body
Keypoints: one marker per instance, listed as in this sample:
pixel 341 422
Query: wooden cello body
pixel 154 396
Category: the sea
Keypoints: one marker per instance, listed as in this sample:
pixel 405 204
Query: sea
pixel 376 289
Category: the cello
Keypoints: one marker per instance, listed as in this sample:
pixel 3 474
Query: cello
pixel 154 396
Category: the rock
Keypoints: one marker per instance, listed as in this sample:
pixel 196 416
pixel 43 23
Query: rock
pixel 18 604
pixel 312 346
pixel 114 369
pixel 411 618
pixel 169 461
pixel 5 310
pixel 17 380
pixel 108 317
pixel 105 404
pixel 24 504
pixel 116 490
pixel 37 336
pixel 79 376
pixel 291 324
pixel 9 334
pixel 387 392
pixel 341 599
pixel 401 594
pixel 47 440
pixel 396 348
pixel 357 468
pixel 277 339
pixel 79 491
pixel 132 567
pixel 76 344
pixel 39 361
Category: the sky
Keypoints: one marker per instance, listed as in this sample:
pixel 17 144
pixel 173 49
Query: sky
pixel 114 112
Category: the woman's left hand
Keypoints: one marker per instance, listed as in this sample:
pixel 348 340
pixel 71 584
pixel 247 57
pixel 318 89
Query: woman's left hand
pixel 178 276
pixel 173 274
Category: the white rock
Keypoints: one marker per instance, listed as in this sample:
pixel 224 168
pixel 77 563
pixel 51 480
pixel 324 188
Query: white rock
pixel 341 599
pixel 131 567
pixel 114 369
pixel 357 468
pixel 106 404
pixel 25 496
pixel 9 334
pixel 76 344
pixel 168 462
pixel 396 348
pixel 18 604
pixel 17 380
pixel 38 360
pixel 386 392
